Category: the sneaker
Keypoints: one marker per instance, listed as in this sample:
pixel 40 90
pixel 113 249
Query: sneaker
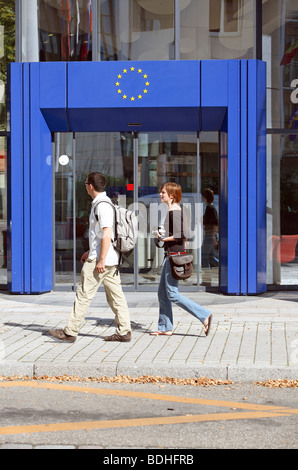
pixel 121 338
pixel 60 334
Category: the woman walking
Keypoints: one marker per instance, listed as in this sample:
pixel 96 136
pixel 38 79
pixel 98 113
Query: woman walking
pixel 174 241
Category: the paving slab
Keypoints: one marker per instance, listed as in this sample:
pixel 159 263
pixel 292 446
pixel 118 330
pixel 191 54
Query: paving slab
pixel 252 338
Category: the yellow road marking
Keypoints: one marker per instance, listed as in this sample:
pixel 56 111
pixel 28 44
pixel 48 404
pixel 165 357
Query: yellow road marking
pixel 149 396
pixel 123 423
pixel 256 411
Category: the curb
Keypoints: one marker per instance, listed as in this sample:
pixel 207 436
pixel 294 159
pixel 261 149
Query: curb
pixel 229 372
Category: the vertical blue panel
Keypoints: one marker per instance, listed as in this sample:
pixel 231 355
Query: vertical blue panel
pixel 256 178
pixel 29 185
pixel 15 216
pixel 233 227
pixel 252 179
pixel 41 192
pixel 243 179
pixel 27 178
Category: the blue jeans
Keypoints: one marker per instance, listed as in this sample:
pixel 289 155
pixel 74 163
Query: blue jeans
pixel 168 293
pixel 209 257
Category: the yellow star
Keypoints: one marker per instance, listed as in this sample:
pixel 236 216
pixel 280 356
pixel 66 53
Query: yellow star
pixel 132 69
pixel 132 98
pixel 124 71
pixel 145 91
pixel 140 71
pixel 147 83
pixel 124 97
pixel 139 96
pixel 145 76
pixel 119 76
pixel 119 91
pixel 117 83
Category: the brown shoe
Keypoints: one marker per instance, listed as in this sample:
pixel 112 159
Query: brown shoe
pixel 60 334
pixel 121 338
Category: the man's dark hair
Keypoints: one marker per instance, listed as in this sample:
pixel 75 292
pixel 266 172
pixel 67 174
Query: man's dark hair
pixel 208 195
pixel 98 181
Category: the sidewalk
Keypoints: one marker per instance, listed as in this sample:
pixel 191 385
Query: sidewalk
pixel 252 338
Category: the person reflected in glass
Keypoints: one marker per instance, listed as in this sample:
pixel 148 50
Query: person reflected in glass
pixel 174 241
pixel 210 223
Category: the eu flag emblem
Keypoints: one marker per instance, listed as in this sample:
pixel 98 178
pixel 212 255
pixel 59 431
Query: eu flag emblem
pixel 132 84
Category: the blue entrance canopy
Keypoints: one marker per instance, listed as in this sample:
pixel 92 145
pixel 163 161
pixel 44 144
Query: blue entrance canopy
pixel 227 96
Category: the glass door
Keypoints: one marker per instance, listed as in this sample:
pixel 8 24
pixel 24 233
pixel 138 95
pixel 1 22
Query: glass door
pixel 63 209
pixel 109 153
pixel 165 157
pixel 209 185
pixel 136 165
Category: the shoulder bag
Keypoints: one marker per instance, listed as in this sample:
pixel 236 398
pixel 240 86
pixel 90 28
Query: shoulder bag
pixel 181 264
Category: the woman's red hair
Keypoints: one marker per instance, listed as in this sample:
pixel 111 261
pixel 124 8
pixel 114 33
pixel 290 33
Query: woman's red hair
pixel 174 190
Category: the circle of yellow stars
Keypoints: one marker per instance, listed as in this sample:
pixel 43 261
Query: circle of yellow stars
pixel 137 96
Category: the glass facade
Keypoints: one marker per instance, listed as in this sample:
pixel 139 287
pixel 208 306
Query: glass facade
pixel 64 30
pixel 280 51
pixel 7 54
pixel 105 30
pixel 222 30
pixel 135 30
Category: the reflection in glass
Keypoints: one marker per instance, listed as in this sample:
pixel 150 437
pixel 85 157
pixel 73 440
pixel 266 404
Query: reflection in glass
pixel 7 52
pixel 136 30
pixel 164 157
pixel 224 16
pixel 161 157
pixel 282 212
pixel 210 257
pixel 108 153
pixel 64 239
pixel 65 30
pixel 280 51
pixel 112 155
pixel 3 211
pixel 225 30
pixel 167 157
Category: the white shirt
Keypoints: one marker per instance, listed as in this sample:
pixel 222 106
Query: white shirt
pixel 105 214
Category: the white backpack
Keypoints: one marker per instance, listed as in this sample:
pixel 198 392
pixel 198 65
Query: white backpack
pixel 125 228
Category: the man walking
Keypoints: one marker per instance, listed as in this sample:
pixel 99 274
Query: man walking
pixel 99 267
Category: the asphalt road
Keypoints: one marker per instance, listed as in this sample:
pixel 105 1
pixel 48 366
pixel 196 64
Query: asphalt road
pixel 42 414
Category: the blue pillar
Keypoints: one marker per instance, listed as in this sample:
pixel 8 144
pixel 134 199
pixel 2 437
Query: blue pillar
pixel 244 183
pixel 239 87
pixel 30 185
pixel 256 172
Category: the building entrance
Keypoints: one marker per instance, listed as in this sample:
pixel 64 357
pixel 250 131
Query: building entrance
pixel 136 164
pixel 165 104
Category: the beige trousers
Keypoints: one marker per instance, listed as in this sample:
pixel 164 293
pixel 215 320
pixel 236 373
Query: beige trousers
pixel 90 282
